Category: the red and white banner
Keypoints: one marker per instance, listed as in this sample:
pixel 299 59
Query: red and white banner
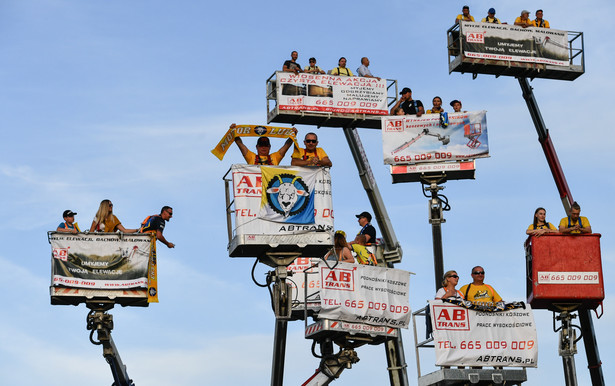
pixel 331 93
pixel 248 195
pixel 101 261
pixel 365 294
pixel 408 139
pixel 300 282
pixel 465 337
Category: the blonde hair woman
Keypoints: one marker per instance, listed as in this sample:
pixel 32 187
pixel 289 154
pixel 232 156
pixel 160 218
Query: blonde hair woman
pixel 105 220
pixel 448 289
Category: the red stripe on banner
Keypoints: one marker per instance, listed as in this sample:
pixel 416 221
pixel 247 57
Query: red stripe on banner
pixel 390 330
pixel 333 324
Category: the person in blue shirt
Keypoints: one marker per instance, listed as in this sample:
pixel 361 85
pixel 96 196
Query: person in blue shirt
pixel 69 225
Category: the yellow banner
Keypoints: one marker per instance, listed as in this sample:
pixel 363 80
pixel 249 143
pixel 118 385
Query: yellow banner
pixel 252 131
pixel 152 274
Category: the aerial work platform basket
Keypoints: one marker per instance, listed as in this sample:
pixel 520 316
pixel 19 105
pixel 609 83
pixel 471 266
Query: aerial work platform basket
pixel 509 50
pixel 564 271
pixel 263 223
pixel 328 100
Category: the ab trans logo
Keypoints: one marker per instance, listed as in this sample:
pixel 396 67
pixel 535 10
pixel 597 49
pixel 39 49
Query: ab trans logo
pixel 451 318
pixel 287 194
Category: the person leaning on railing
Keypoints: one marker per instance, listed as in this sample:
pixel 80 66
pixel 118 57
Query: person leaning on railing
pixel 540 226
pixel 69 225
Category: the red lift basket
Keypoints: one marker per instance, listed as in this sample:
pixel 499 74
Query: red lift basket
pixel 564 271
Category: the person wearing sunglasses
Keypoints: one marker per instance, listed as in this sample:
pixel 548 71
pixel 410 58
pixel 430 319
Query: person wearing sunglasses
pixel 155 224
pixel 311 155
pixel 478 291
pixel 105 220
pixel 448 290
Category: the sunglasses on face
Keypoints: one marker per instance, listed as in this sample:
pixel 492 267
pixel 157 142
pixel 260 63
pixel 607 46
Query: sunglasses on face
pixel 311 141
pixel 454 276
pixel 478 273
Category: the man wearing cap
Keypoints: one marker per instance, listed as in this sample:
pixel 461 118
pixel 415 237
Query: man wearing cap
pixel 456 105
pixel 263 146
pixel 491 17
pixel 311 155
pixel 69 225
pixel 478 291
pixel 465 15
pixel 524 20
pixel 367 229
pixel 540 22
pixel 410 106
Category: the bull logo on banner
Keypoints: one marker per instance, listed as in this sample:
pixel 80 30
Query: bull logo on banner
pixel 288 197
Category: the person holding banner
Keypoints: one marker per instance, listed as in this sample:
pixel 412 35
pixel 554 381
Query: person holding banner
pixel 540 225
pixel 448 290
pixel 69 225
pixel 105 220
pixel 311 155
pixel 263 147
pixel 342 251
pixel 478 291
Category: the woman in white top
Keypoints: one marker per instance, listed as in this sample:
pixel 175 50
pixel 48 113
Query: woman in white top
pixel 448 290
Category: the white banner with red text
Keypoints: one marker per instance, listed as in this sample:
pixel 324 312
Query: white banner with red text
pixel 331 93
pixel 289 214
pixel 303 284
pixel 465 337
pixel 514 43
pixel 408 139
pixel 365 294
pixel 100 260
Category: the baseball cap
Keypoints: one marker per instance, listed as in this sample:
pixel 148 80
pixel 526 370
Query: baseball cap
pixel 405 90
pixel 456 101
pixel 366 215
pixel 263 141
pixel 491 10
pixel 68 213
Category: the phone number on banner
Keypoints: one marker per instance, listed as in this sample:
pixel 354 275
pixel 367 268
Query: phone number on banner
pixel 378 306
pixel 489 345
pixel 423 157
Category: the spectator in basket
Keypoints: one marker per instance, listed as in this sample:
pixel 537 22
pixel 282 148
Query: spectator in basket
pixel 409 105
pixel 574 223
pixel 540 22
pixel 448 290
pixel 363 69
pixel 341 251
pixel 292 65
pixel 437 106
pixel 524 20
pixel 69 225
pixel 105 220
pixel 341 69
pixel 263 147
pixel 478 291
pixel 491 17
pixel 465 15
pixel 313 68
pixel 540 225
pixel 311 155
pixel 456 105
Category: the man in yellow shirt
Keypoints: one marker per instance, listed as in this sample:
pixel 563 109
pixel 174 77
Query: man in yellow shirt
pixel 311 155
pixel 491 17
pixel 540 22
pixel 524 20
pixel 263 146
pixel 465 15
pixel 478 291
pixel 575 224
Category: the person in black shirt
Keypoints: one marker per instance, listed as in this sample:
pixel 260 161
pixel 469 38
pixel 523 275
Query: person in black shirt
pixel 367 229
pixel 155 224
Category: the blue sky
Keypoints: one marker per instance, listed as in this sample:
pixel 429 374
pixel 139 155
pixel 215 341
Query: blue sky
pixel 125 100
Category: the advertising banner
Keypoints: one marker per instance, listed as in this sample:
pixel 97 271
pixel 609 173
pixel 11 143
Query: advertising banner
pixel 408 139
pixel 365 294
pixel 510 42
pixel 280 201
pixel 331 93
pixel 100 260
pixel 464 337
pixel 298 282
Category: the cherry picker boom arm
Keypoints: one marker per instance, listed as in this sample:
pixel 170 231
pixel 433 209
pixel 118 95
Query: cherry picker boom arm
pixel 587 325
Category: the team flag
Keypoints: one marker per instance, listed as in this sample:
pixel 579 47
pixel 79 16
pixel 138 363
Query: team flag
pixel 288 195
